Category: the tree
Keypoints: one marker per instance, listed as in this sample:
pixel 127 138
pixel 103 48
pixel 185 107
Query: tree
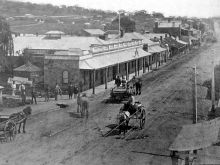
pixel 126 24
pixel 6 42
pixel 157 15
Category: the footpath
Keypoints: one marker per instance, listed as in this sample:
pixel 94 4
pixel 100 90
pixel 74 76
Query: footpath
pixel 43 106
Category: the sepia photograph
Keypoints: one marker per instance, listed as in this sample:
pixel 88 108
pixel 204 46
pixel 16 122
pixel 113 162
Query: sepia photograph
pixel 109 82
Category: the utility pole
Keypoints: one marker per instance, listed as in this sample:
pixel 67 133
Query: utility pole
pixel 119 36
pixel 195 97
pixel 213 87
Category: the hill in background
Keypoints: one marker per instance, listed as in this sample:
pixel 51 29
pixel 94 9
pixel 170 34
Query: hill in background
pixel 25 17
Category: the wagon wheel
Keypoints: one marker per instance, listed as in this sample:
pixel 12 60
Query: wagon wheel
pixel 142 119
pixel 10 130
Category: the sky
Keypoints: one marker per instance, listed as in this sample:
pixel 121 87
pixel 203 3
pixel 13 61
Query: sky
pixel 190 8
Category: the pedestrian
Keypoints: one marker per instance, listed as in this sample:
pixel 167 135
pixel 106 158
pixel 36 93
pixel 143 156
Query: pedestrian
pixel 118 81
pixel 13 86
pixel 33 94
pixel 138 85
pixel 57 92
pixel 23 94
pixel 123 82
pixel 70 90
pixel 75 91
pixel 47 89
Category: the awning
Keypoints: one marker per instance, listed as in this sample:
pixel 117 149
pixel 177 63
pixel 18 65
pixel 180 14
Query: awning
pixel 156 49
pixel 197 136
pixel 112 58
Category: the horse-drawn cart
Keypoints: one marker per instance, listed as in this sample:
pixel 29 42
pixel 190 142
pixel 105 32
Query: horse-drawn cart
pixel 136 111
pixel 8 124
pixel 8 128
pixel 119 94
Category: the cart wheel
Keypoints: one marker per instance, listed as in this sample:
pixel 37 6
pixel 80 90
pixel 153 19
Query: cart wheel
pixel 10 130
pixel 142 119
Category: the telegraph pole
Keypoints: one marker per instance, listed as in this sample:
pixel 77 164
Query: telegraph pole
pixel 213 87
pixel 195 97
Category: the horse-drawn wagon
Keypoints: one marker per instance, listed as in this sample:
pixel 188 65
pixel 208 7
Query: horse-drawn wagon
pixel 8 124
pixel 119 94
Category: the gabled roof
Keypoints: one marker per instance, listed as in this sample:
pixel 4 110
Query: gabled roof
pixel 28 67
pixel 94 31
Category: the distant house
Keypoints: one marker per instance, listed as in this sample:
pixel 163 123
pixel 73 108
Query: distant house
pixel 92 32
pixel 29 71
pixel 171 27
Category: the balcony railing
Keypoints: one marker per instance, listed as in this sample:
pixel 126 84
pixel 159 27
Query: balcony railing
pixel 95 49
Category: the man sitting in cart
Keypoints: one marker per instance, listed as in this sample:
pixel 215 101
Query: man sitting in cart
pixel 130 108
pixel 118 81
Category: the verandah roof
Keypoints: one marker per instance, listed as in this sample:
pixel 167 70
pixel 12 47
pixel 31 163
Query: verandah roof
pixel 197 136
pixel 112 58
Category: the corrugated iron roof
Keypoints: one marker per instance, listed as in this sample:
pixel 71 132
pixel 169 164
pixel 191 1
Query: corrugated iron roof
pixel 28 67
pixel 65 43
pixel 112 58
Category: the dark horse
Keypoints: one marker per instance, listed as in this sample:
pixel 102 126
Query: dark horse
pixel 21 117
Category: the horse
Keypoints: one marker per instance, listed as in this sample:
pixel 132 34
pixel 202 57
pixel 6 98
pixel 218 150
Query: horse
pixel 82 105
pixel 21 117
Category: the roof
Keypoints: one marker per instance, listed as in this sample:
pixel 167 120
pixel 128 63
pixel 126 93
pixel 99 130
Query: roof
pixel 197 136
pixel 112 58
pixel 156 49
pixel 135 35
pixel 54 32
pixel 111 32
pixel 28 67
pixel 65 43
pixel 94 31
pixel 171 42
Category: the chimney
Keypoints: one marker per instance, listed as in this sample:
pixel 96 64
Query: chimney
pixel 37 34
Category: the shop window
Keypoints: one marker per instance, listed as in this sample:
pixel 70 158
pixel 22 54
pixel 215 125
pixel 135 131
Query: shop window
pixel 65 77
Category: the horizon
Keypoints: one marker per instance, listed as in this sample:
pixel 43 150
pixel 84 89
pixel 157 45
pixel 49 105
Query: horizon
pixel 188 8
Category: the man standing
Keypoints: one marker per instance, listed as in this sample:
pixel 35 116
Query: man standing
pixel 47 93
pixel 23 94
pixel 13 86
pixel 138 85
pixel 33 94
pixel 57 91
pixel 75 91
pixel 70 90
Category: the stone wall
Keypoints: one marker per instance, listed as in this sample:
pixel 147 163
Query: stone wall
pixel 54 68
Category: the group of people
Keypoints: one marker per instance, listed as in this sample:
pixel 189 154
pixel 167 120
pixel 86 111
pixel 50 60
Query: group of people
pixel 134 85
pixel 72 90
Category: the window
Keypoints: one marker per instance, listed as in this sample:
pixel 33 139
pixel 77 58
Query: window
pixel 65 77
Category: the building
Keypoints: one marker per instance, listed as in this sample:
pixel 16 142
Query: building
pixel 96 66
pixel 173 28
pixel 30 71
pixel 91 61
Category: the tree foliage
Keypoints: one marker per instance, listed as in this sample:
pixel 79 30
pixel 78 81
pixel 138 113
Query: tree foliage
pixel 126 24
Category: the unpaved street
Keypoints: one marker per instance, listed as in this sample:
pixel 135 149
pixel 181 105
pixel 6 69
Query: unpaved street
pixel 167 96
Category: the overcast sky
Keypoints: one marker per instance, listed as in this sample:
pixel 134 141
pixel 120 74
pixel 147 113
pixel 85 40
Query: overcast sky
pixel 198 8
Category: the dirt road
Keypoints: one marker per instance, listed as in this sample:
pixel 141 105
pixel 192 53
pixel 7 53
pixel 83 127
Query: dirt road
pixel 167 96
